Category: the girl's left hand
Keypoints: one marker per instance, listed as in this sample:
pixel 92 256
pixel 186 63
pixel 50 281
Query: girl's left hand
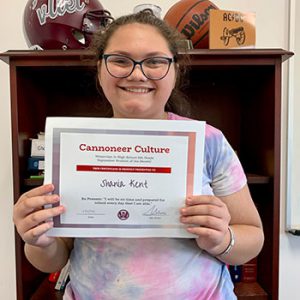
pixel 209 219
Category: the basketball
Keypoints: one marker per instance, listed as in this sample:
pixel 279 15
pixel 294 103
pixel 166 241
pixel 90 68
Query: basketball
pixel 191 18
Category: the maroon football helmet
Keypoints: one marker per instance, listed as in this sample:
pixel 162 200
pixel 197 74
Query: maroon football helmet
pixel 63 24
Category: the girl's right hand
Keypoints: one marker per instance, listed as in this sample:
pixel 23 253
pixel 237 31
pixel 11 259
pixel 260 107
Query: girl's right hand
pixel 32 219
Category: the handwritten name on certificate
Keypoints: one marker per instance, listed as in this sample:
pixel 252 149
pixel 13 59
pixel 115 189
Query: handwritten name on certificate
pixel 121 177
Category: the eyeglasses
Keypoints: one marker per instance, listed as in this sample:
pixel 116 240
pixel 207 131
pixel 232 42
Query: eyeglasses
pixel 154 68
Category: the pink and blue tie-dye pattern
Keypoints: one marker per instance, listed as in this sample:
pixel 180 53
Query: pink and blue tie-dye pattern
pixel 160 268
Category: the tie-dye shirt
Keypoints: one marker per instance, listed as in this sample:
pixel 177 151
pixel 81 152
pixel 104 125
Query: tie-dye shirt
pixel 160 268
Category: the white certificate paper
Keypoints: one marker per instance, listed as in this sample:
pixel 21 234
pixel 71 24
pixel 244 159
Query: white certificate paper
pixel 121 177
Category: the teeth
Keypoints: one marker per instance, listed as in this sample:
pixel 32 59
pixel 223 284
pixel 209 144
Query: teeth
pixel 137 90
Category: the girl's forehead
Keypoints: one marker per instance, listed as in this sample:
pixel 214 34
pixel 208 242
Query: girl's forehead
pixel 138 26
pixel 138 35
pixel 136 31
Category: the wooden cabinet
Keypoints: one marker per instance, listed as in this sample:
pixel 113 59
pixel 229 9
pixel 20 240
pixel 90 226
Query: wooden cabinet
pixel 238 91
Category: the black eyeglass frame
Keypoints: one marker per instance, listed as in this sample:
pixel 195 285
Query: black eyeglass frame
pixel 140 63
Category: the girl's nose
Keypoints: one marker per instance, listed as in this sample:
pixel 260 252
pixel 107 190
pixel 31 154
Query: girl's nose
pixel 137 74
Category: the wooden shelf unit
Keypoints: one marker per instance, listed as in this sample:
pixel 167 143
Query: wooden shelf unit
pixel 238 91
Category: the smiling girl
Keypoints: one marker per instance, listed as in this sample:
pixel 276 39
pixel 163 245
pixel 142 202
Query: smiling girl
pixel 139 71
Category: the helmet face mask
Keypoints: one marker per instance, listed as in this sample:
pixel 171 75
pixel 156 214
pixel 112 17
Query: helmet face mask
pixel 63 24
pixel 95 20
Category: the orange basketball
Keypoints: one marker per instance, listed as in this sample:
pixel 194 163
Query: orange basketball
pixel 191 18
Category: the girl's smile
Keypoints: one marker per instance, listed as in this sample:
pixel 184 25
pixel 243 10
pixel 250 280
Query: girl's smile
pixel 137 90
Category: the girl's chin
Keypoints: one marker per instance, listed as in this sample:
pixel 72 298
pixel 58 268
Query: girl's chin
pixel 138 114
pixel 136 110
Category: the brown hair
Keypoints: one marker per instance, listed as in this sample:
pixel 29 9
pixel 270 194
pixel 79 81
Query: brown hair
pixel 177 103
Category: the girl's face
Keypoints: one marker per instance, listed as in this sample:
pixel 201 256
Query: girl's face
pixel 136 96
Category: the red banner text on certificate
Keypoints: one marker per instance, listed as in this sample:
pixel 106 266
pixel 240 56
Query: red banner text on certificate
pixel 90 168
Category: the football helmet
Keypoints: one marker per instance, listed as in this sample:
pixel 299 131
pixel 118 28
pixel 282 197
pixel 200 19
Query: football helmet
pixel 63 24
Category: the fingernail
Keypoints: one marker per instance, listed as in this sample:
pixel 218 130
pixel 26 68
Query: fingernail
pixel 50 186
pixel 54 200
pixel 188 200
pixel 61 208
pixel 50 224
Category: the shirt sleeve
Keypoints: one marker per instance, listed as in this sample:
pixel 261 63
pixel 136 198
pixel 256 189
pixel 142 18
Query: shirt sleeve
pixel 223 166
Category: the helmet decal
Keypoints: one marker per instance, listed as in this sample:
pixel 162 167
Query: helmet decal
pixel 63 24
pixel 62 7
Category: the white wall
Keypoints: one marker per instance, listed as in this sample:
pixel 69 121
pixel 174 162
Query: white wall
pixel 290 245
pixel 272 32
pixel 10 38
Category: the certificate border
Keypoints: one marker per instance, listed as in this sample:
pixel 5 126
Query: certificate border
pixel 56 138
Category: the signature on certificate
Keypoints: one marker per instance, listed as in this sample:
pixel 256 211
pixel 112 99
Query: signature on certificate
pixel 154 211
pixel 121 184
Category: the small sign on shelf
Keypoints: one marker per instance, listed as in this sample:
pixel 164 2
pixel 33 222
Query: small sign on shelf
pixel 231 29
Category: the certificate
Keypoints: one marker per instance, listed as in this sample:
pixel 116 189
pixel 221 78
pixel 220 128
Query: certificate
pixel 123 177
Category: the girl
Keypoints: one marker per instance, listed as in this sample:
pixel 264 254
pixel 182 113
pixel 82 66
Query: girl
pixel 139 72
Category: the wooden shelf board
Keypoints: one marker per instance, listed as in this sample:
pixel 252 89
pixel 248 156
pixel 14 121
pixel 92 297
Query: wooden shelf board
pixel 33 182
pixel 46 291
pixel 257 179
pixel 249 290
